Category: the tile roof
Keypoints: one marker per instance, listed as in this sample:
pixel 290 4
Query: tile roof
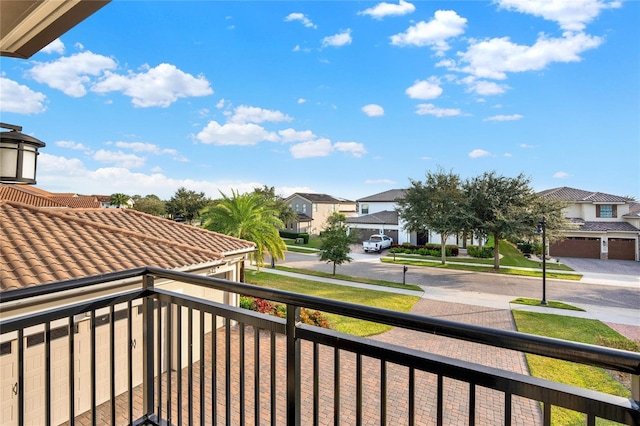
pixel 319 198
pixel 43 245
pixel 385 217
pixel 634 210
pixel 22 195
pixel 390 196
pixel 78 201
pixel 587 226
pixel 578 195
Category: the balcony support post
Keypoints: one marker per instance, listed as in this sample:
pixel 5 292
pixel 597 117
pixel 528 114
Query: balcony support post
pixel 293 366
pixel 147 350
pixel 635 388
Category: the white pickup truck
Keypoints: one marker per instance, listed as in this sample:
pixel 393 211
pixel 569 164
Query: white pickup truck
pixel 377 242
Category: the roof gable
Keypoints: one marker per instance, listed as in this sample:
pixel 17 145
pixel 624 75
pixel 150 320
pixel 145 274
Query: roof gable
pixel 20 195
pixel 390 196
pixel 565 193
pixel 318 198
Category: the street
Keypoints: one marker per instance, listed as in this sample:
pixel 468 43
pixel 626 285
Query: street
pixel 572 292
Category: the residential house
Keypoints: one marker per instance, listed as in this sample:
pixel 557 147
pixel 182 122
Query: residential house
pixel 378 215
pixel 606 226
pixel 313 210
pixel 43 245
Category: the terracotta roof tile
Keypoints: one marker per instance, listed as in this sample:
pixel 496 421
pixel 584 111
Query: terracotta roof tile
pixel 41 245
pixel 18 194
pixel 79 201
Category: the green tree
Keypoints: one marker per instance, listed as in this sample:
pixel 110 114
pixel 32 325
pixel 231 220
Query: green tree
pixel 119 200
pixel 285 212
pixel 437 204
pixel 335 241
pixel 248 217
pixel 150 204
pixel 500 206
pixel 186 203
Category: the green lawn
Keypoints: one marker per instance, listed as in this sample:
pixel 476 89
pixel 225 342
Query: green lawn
pixel 379 299
pixel 550 304
pixel 578 330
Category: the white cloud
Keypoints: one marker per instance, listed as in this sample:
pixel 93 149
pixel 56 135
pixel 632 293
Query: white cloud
pixel 56 46
pixel 382 10
pixel 309 149
pixel 301 100
pixel 20 99
pixel 337 40
pixel 119 159
pixel 508 154
pixel 445 24
pixel 291 135
pixel 71 74
pixel 570 15
pixel 300 17
pixel 431 109
pixel 159 86
pixel 373 110
pixel 425 89
pixel 235 134
pixel 220 103
pixel 150 148
pixel 526 146
pixel 247 114
pixel 477 153
pixel 512 117
pixel 71 145
pixel 561 175
pixel 354 148
pixel 60 174
pixel 483 87
pixel 494 58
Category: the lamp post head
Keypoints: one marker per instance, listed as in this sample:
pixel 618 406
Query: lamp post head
pixel 18 156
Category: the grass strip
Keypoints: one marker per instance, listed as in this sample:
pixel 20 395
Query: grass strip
pixel 550 304
pixel 459 267
pixel 578 330
pixel 379 299
pixel 341 277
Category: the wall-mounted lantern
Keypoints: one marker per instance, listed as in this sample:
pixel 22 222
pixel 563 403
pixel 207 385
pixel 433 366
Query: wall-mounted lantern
pixel 18 156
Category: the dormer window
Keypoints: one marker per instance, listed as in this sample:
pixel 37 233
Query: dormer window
pixel 606 211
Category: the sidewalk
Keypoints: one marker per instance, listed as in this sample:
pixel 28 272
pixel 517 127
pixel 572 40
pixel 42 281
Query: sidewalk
pixel 627 319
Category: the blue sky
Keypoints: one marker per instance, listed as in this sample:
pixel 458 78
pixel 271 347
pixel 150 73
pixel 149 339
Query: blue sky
pixel 346 98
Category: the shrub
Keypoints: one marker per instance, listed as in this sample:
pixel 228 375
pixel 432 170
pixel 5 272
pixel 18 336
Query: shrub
pixel 482 253
pixel 295 235
pixel 425 250
pixel 247 302
pixel 263 306
pixel 316 318
pixel 525 247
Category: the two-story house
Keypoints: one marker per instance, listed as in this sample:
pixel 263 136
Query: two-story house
pixel 606 226
pixel 312 211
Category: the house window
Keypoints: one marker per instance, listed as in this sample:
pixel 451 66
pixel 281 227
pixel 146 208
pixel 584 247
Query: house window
pixel 364 209
pixel 297 208
pixel 315 207
pixel 606 211
pixel 333 208
pixel 304 208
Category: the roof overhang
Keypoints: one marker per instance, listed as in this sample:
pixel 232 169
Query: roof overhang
pixel 27 26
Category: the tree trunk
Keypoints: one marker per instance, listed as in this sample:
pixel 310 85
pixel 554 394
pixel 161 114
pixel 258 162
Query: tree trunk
pixel 496 251
pixel 242 271
pixel 443 252
pixel 334 268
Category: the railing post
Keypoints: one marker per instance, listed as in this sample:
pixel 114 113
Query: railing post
pixel 635 388
pixel 147 350
pixel 293 367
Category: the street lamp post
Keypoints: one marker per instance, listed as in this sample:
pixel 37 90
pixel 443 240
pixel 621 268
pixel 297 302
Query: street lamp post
pixel 542 228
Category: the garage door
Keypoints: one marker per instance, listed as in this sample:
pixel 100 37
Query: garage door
pixel 622 249
pixel 576 247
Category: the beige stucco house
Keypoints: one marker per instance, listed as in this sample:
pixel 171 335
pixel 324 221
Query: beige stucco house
pixel 606 226
pixel 312 211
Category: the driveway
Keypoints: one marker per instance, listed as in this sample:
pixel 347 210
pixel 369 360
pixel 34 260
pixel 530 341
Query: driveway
pixel 598 266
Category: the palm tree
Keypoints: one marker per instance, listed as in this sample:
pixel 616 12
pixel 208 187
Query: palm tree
pixel 248 217
pixel 119 200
